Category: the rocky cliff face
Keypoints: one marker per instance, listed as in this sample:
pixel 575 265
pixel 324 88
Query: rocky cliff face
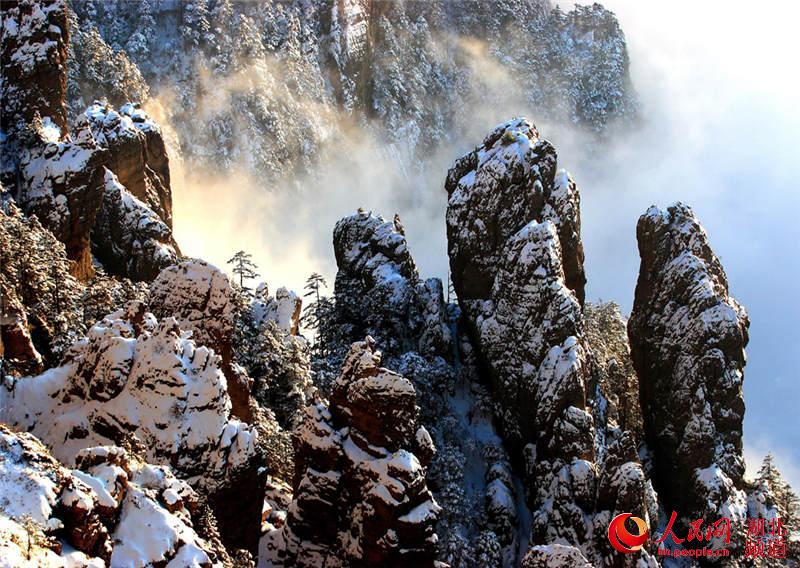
pixel 61 176
pixel 136 154
pixel 379 291
pixel 508 213
pixel 517 263
pixel 688 337
pixel 61 182
pixel 413 69
pixel 360 497
pixel 33 54
pixel 99 509
pixel 135 377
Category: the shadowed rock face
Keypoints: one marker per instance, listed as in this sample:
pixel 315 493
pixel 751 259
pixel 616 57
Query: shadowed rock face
pixel 687 338
pixel 508 210
pixel 136 154
pixel 61 182
pixel 493 192
pixel 135 376
pixel 379 292
pixel 517 263
pixel 129 238
pixel 33 53
pixel 360 496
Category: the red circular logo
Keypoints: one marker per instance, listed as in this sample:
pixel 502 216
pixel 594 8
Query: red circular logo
pixel 623 540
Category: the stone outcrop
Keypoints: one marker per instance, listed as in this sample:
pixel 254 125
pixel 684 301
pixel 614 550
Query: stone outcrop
pixel 687 337
pixel 517 264
pixel 200 297
pixel 16 344
pixel 59 176
pixel 136 153
pixel 33 54
pixel 283 309
pixel 129 238
pixel 99 508
pixel 494 191
pixel 507 213
pixel 61 182
pixel 360 497
pixel 133 377
pixel 378 290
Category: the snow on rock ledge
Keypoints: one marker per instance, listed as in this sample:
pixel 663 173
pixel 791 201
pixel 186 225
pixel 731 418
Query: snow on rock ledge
pixel 360 496
pixel 129 238
pixel 98 509
pixel 136 153
pixel 200 297
pixel 133 376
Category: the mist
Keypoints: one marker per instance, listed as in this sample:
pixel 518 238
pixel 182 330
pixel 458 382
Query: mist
pixel 718 131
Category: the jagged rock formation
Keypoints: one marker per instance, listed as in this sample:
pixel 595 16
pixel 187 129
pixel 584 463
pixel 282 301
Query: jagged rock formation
pixel 517 263
pixel 128 237
pixel 379 292
pixel 284 309
pixel 687 338
pixel 61 177
pixel 61 182
pixel 33 54
pixel 99 508
pixel 135 377
pixel 136 154
pixel 497 189
pixel 360 497
pixel 200 297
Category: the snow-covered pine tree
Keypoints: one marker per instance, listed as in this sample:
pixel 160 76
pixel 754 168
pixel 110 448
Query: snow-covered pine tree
pixel 786 500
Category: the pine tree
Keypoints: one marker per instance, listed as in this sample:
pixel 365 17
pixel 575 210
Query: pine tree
pixel 785 501
pixel 317 313
pixel 244 268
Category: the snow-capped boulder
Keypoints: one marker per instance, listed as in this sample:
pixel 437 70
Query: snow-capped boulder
pixel 136 153
pixel 379 292
pixel 555 556
pixel 200 297
pixel 283 309
pixel 687 339
pixel 360 496
pixel 99 509
pixel 133 376
pixel 61 182
pixel 33 53
pixel 129 238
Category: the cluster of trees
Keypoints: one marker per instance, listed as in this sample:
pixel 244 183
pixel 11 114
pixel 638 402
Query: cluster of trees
pixel 35 271
pixel 782 497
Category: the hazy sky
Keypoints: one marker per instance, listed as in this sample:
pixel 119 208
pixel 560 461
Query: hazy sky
pixel 718 86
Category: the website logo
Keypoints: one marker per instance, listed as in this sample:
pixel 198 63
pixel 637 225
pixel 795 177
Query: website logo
pixel 622 539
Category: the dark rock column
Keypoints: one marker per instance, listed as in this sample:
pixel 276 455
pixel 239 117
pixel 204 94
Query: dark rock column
pixel 687 338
